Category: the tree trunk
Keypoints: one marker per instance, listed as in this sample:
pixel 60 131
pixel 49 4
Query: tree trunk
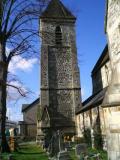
pixel 3 90
pixel 4 143
pixel 3 96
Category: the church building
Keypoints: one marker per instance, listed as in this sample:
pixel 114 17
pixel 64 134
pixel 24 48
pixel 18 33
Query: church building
pixel 100 113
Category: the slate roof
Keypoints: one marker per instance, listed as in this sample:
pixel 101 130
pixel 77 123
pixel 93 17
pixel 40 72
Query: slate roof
pixel 56 9
pixel 98 97
pixel 28 106
pixel 93 101
pixel 102 60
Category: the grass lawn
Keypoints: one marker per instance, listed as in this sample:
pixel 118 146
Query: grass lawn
pixel 28 152
pixel 33 152
pixel 103 154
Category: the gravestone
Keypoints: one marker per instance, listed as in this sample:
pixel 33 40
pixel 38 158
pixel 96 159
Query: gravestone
pixel 63 155
pixel 68 146
pixel 81 149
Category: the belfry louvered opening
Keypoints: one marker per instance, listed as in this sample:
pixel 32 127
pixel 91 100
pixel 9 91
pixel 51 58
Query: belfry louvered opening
pixel 58 36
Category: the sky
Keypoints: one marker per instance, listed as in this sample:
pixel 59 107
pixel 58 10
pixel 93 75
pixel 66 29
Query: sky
pixel 90 39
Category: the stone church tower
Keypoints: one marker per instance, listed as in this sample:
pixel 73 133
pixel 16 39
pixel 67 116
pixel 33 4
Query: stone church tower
pixel 60 80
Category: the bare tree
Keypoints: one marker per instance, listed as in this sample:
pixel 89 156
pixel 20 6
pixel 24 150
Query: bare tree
pixel 18 30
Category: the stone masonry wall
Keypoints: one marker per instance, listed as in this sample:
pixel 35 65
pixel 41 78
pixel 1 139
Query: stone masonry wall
pixel 102 77
pixel 112 114
pixel 113 30
pixel 29 116
pixel 30 120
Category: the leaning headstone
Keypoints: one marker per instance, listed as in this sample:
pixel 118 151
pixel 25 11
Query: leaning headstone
pixel 63 155
pixel 81 149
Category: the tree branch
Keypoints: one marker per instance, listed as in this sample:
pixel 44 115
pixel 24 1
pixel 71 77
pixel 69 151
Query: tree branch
pixel 18 89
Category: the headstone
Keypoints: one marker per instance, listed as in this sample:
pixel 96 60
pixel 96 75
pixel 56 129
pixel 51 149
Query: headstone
pixel 53 145
pixel 81 149
pixel 63 155
pixel 68 146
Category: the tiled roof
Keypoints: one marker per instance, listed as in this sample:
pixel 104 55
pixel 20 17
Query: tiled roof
pixel 56 9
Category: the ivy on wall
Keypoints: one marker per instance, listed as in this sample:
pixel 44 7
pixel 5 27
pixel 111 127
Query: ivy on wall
pixel 87 137
pixel 98 141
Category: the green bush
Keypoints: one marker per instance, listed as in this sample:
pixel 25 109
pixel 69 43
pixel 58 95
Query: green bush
pixel 103 154
pixel 87 136
pixel 98 141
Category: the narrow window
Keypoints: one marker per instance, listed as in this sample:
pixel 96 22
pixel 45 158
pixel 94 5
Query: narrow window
pixel 58 36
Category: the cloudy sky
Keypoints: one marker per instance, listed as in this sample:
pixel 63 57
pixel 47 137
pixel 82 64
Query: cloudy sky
pixel 91 40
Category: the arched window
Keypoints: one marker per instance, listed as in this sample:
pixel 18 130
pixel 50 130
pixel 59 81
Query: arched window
pixel 58 36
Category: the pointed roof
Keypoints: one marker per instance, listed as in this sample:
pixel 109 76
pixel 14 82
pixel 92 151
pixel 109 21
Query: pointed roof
pixel 56 9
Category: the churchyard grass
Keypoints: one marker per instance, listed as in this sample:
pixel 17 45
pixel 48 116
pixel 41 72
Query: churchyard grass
pixel 28 152
pixel 103 154
pixel 72 155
